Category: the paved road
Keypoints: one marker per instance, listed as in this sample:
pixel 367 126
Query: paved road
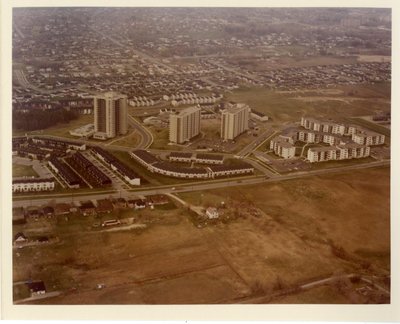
pixel 257 142
pixel 117 183
pixel 238 73
pixel 87 142
pixel 261 168
pixel 198 186
pixel 39 167
pixel 137 52
pixel 147 137
pixel 24 82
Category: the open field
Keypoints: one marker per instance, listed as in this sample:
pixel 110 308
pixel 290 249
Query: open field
pixel 316 208
pixel 374 58
pixel 19 170
pixel 161 139
pixel 282 107
pixel 299 60
pixel 295 238
pixel 63 129
pixel 338 163
pixel 328 294
pixel 372 126
pixel 132 139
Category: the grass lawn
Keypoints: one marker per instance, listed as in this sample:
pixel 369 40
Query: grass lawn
pixel 19 170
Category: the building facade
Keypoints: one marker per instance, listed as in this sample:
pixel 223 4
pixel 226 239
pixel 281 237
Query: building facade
pixel 368 138
pixel 171 170
pixel 35 184
pixel 339 152
pixel 185 125
pixel 283 147
pixel 110 115
pixel 234 121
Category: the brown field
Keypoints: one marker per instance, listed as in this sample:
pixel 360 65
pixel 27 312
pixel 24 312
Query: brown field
pixel 19 170
pixel 171 261
pixel 348 102
pixel 374 58
pixel 327 294
pixel 132 139
pixel 63 129
pixel 300 61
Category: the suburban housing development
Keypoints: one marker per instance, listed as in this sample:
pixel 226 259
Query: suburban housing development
pixel 201 156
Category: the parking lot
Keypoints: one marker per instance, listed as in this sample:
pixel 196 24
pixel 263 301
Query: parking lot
pixel 39 167
pixel 117 182
pixel 290 165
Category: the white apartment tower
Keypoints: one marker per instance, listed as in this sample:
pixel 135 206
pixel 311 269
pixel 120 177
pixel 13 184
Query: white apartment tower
pixel 184 125
pixel 110 115
pixel 234 121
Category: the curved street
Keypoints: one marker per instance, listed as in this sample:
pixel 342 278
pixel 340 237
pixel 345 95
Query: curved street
pixel 146 136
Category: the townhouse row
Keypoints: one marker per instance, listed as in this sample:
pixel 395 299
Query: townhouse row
pixel 201 158
pixel 171 170
pixel 116 165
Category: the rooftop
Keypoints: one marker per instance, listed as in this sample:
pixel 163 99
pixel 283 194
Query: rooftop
pixel 145 156
pixel 180 154
pixel 236 108
pixel 187 111
pixel 34 180
pixel 173 168
pixel 204 156
pixel 111 95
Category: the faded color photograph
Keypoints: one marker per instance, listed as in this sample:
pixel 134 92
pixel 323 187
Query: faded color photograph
pixel 201 155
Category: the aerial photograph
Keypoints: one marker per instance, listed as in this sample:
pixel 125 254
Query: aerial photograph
pixel 201 155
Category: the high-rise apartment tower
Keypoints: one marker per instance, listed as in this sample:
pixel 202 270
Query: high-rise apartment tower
pixel 184 125
pixel 110 115
pixel 234 121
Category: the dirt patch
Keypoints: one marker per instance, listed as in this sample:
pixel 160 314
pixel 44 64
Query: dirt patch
pixel 374 58
pixel 296 236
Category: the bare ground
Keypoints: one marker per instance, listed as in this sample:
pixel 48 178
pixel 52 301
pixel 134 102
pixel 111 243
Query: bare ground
pixel 291 241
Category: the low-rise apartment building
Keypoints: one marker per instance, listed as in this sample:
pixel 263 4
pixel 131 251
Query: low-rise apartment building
pixel 33 184
pixel 282 147
pixel 339 152
pixel 368 138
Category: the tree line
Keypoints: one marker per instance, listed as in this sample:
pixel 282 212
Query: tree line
pixel 36 119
